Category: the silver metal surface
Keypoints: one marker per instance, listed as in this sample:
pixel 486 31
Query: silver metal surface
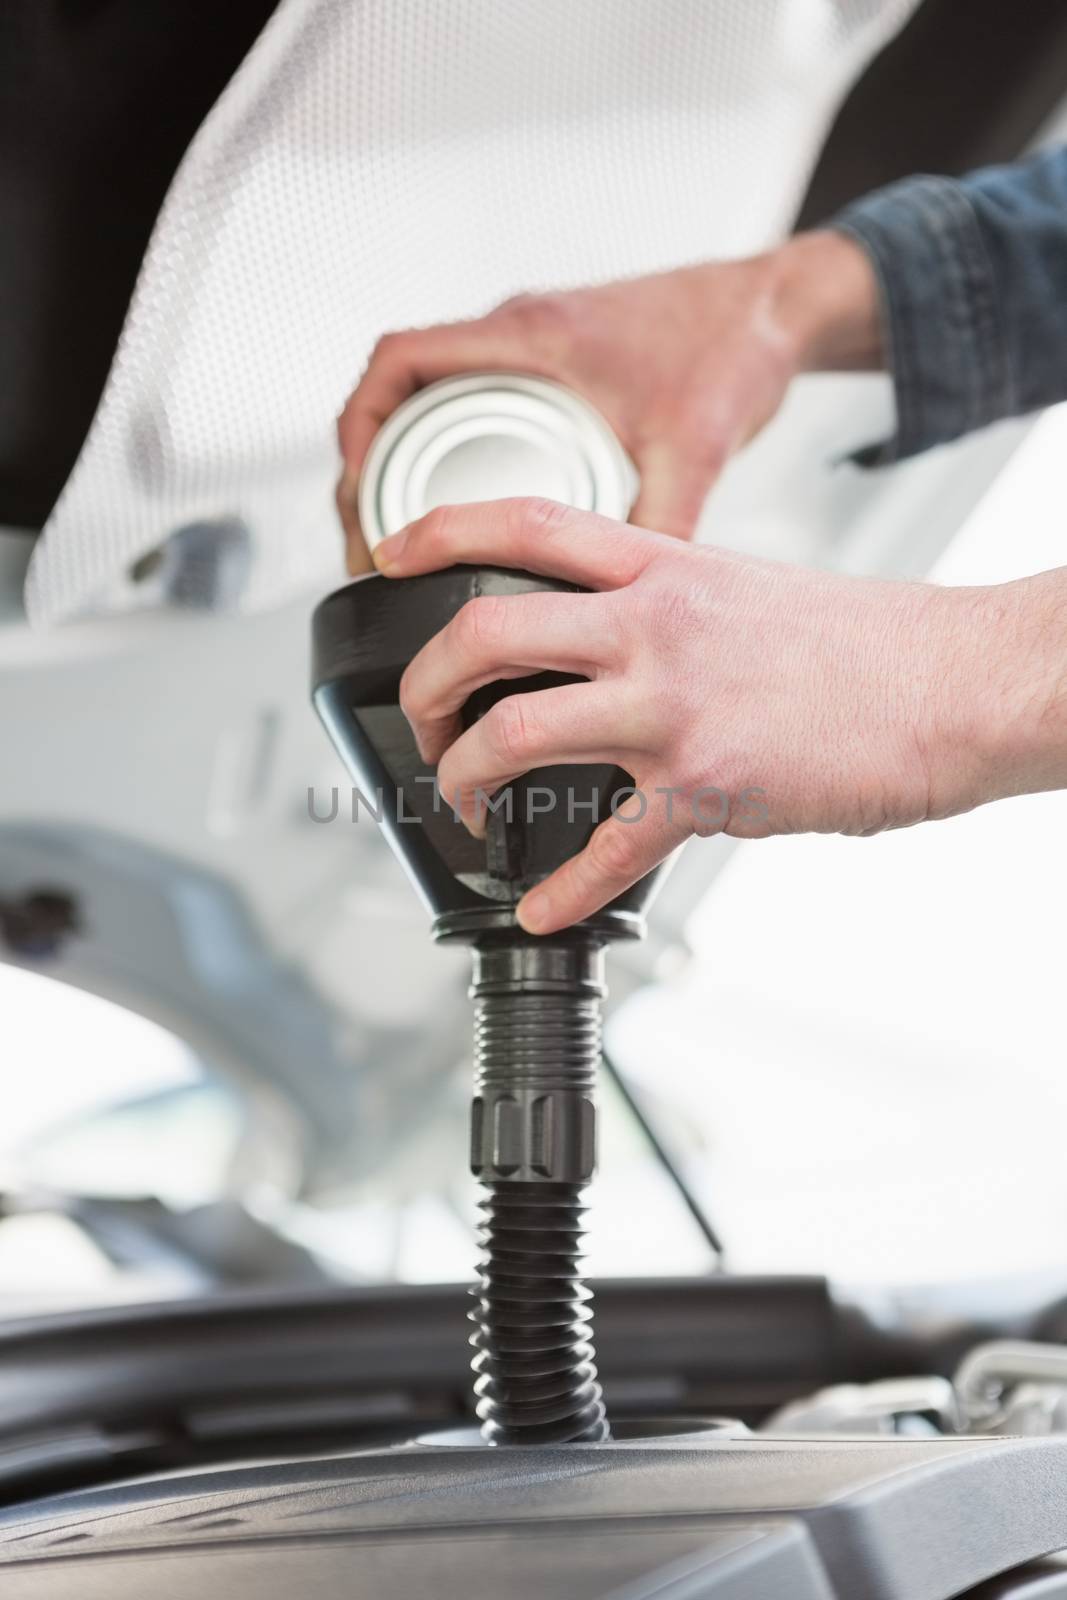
pixel 488 436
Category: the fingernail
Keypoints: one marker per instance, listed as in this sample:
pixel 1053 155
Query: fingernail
pixel 533 912
pixel 475 820
pixel 390 550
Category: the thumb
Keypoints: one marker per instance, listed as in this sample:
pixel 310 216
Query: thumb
pixel 675 482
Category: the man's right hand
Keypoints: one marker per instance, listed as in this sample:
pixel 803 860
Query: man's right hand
pixel 686 365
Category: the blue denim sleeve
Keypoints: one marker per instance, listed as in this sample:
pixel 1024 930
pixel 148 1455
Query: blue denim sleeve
pixel 973 274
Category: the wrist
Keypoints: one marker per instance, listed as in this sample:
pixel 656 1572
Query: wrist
pixel 1032 615
pixel 1002 723
pixel 828 301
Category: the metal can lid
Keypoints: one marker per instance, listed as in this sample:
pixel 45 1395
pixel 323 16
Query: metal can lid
pixel 488 436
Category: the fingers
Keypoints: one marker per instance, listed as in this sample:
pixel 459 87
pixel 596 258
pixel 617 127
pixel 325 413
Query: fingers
pixel 581 723
pixel 621 850
pixel 533 535
pixel 501 636
pixel 400 364
pixel 674 486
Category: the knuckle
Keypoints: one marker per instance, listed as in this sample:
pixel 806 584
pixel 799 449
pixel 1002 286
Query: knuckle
pixel 510 730
pixel 537 518
pixel 517 305
pixel 537 313
pixel 434 528
pixel 481 625
pixel 387 346
pixel 612 852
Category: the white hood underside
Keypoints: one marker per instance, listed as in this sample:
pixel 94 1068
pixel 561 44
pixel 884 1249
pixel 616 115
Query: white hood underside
pixel 384 163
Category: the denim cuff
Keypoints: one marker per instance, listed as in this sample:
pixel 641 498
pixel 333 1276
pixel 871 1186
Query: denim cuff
pixel 944 335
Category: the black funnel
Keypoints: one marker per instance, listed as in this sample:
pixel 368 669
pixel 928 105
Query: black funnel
pixel 537 1000
pixel 364 637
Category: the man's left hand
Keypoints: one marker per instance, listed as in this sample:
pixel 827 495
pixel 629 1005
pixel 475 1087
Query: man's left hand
pixel 743 696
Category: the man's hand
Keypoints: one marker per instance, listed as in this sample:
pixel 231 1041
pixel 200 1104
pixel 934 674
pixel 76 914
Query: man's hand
pixel 743 696
pixel 686 365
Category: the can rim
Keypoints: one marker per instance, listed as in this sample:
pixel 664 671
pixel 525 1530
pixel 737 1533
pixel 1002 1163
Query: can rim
pixel 612 474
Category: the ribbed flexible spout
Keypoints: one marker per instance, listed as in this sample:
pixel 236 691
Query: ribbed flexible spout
pixel 533 1143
